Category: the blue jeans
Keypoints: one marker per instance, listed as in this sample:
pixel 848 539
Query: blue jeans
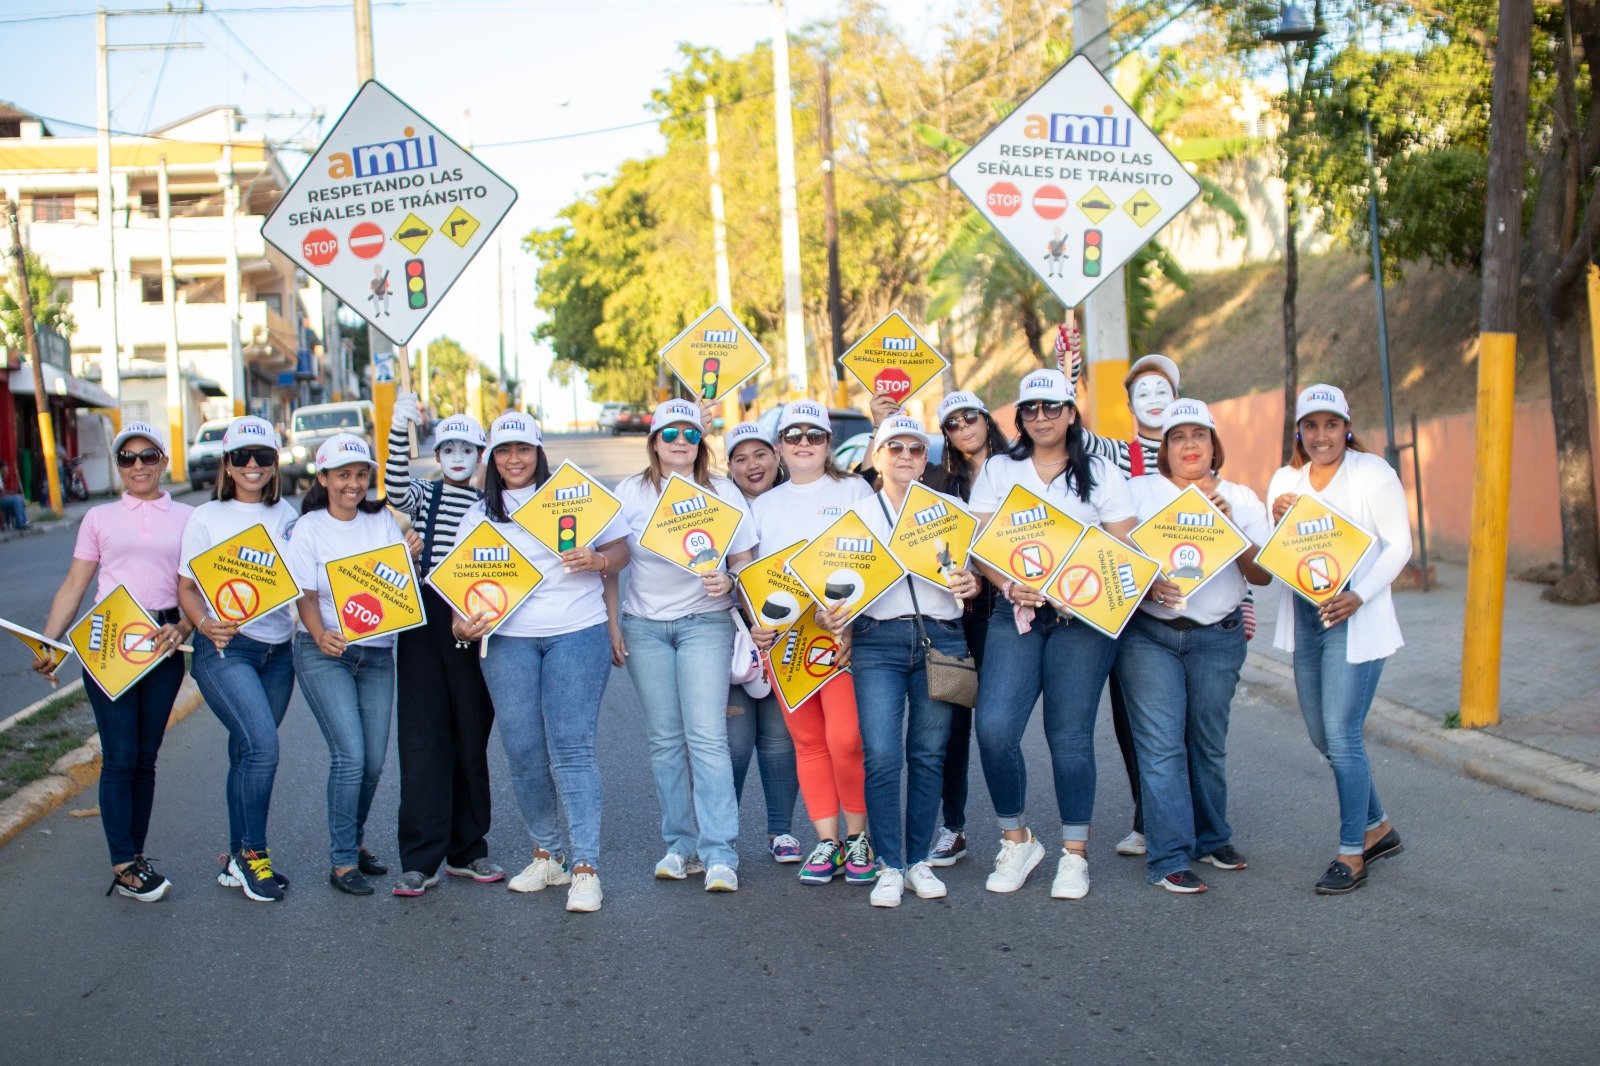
pixel 758 729
pixel 1066 663
pixel 1179 686
pixel 546 693
pixel 352 699
pixel 887 660
pixel 248 689
pixel 15 510
pixel 679 669
pixel 131 731
pixel 1335 697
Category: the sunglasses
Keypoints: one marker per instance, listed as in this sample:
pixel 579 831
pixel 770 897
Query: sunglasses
pixel 689 434
pixel 148 456
pixel 1034 409
pixel 961 418
pixel 794 435
pixel 242 456
pixel 902 447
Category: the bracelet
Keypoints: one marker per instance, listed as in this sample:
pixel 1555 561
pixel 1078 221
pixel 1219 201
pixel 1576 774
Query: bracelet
pixel 603 561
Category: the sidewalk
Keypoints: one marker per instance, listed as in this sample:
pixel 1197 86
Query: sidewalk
pixel 1549 685
pixel 40 519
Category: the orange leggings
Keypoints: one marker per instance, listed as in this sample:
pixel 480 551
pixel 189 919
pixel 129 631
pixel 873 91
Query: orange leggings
pixel 827 751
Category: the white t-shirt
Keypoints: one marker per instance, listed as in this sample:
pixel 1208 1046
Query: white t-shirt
pixel 896 603
pixel 319 538
pixel 1217 598
pixel 563 602
pixel 1108 500
pixel 793 512
pixel 663 591
pixel 214 522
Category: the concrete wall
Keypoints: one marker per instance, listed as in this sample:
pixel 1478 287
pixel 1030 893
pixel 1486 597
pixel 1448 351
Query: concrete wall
pixel 1249 427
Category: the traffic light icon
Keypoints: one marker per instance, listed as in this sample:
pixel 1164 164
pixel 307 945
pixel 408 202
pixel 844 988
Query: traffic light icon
pixel 710 370
pixel 1091 253
pixel 416 285
pixel 567 533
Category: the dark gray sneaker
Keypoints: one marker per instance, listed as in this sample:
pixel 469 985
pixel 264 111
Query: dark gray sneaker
pixel 484 871
pixel 414 883
pixel 253 869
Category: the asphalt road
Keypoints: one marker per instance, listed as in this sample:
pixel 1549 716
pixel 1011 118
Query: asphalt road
pixel 1476 944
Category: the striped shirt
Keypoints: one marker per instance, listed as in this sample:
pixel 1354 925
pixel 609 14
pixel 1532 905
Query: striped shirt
pixel 419 492
pixel 1120 452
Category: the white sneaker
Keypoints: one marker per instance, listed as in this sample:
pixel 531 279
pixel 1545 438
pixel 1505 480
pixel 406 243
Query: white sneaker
pixel 1072 877
pixel 721 877
pixel 674 867
pixel 539 875
pixel 924 882
pixel 584 896
pixel 1015 862
pixel 1132 844
pixel 886 891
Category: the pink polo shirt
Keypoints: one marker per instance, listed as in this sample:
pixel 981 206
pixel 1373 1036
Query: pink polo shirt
pixel 137 543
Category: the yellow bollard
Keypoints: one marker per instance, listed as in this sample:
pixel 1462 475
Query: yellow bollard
pixel 1109 415
pixel 1594 328
pixel 1491 518
pixel 383 394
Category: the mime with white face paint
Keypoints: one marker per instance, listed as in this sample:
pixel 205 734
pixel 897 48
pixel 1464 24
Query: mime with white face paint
pixel 443 712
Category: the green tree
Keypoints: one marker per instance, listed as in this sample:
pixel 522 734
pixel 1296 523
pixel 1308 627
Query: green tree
pixel 50 310
pixel 448 365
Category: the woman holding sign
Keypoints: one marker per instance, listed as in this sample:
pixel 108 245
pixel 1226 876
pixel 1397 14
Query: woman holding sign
pixel 1339 646
pixel 1032 650
pixel 546 668
pixel 889 644
pixel 1179 658
pixel 677 636
pixel 827 735
pixel 134 542
pixel 349 686
pixel 244 665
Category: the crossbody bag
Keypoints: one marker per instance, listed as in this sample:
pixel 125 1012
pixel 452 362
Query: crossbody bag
pixel 951 678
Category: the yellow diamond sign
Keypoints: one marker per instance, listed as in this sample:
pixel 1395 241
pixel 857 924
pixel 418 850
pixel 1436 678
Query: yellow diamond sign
pixel 846 564
pixel 413 233
pixel 245 576
pixel 1102 581
pixel 569 511
pixel 1096 204
pixel 691 526
pixel 485 575
pixel 1314 549
pixel 932 536
pixel 459 226
pixel 1142 207
pixel 1027 538
pixel 375 593
pixel 803 660
pixel 715 355
pixel 116 641
pixel 1190 540
pixel 775 598
pixel 893 359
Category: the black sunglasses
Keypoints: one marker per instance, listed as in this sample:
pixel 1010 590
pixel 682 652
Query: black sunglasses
pixel 961 418
pixel 263 456
pixel 1033 409
pixel 147 456
pixel 795 434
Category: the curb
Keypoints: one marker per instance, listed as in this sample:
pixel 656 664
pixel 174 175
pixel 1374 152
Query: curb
pixel 72 690
pixel 1471 752
pixel 74 772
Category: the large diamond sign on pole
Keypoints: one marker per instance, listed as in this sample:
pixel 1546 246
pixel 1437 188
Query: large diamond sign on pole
pixel 1074 181
pixel 388 213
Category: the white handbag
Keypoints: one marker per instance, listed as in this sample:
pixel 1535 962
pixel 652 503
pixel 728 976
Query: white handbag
pixel 745 668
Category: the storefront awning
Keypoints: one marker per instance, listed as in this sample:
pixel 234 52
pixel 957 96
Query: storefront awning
pixel 207 387
pixel 63 385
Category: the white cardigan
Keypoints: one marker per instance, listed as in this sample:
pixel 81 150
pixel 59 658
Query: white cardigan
pixel 1366 489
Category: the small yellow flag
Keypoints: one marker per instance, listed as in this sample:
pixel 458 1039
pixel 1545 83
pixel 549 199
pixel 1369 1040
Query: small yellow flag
pixel 846 564
pixel 1102 581
pixel 375 593
pixel 245 577
pixel 1315 549
pixel 691 526
pixel 485 574
pixel 116 641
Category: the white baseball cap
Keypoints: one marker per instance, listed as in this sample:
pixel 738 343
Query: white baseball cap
pixel 671 411
pixel 1317 398
pixel 343 449
pixel 248 431
pixel 959 401
pixel 805 413
pixel 743 432
pixel 1159 364
pixel 1050 386
pixel 898 426
pixel 1186 413
pixel 515 427
pixel 139 429
pixel 459 427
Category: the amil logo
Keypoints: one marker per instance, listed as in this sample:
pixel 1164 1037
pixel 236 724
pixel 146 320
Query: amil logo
pixel 409 152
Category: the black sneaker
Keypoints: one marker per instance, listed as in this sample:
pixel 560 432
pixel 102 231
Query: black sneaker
pixel 368 864
pixel 253 870
pixel 949 848
pixel 141 882
pixel 226 879
pixel 350 882
pixel 1226 857
pixel 1184 882
pixel 1388 844
pixel 1340 879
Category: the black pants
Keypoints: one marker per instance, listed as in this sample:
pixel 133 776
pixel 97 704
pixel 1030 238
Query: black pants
pixel 131 731
pixel 444 717
pixel 1130 757
pixel 958 751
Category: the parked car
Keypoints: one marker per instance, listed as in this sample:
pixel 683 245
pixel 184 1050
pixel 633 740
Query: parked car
pixel 309 427
pixel 205 453
pixel 631 419
pixel 855 451
pixel 608 415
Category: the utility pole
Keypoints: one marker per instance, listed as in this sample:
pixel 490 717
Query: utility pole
pixel 177 470
pixel 231 288
pixel 830 216
pixel 719 221
pixel 1105 311
pixel 111 338
pixel 41 398
pixel 794 326
pixel 364 73
pixel 1497 369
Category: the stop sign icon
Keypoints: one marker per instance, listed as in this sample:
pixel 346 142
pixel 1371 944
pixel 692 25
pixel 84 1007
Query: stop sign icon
pixel 362 613
pixel 892 382
pixel 1004 199
pixel 319 247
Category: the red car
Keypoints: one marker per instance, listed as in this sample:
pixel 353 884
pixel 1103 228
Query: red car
pixel 631 420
